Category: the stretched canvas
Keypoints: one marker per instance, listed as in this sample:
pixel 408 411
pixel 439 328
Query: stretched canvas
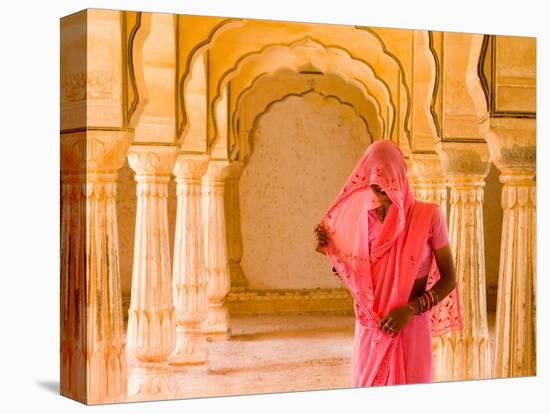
pixel 198 155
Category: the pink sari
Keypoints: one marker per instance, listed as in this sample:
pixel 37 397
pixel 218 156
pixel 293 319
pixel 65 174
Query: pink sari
pixel 381 279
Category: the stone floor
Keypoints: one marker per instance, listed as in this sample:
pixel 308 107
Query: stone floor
pixel 270 353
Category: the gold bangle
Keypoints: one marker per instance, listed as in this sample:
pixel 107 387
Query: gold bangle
pixel 421 305
pixel 430 300
pixel 425 300
pixel 412 308
pixel 432 294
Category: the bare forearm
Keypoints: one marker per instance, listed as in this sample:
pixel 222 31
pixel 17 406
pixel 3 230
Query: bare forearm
pixel 441 289
pixel 444 286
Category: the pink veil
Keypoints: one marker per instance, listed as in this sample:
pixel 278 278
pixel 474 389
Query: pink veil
pixel 381 279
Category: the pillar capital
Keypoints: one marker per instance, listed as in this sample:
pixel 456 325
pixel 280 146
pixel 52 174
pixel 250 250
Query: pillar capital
pixel 218 170
pixel 190 166
pixel 426 167
pixel 512 143
pixel 152 160
pixel 464 159
pixel 94 151
pixel 427 178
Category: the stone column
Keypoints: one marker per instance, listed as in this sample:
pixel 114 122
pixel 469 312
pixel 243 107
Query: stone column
pixel 428 179
pixel 466 354
pixel 93 360
pixel 151 317
pixel 189 274
pixel 513 146
pixel 429 184
pixel 217 325
pixel 233 224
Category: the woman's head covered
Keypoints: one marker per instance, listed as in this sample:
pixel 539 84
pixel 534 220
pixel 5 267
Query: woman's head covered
pixel 383 165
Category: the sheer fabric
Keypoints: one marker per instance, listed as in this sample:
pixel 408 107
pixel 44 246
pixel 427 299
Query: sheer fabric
pixel 380 276
pixel 438 237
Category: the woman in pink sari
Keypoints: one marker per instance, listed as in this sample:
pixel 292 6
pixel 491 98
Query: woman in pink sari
pixel 392 254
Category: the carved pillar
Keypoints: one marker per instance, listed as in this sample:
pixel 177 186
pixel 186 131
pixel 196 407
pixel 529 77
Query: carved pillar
pixel 189 274
pixel 428 183
pixel 93 360
pixel 428 179
pixel 233 224
pixel 217 325
pixel 466 354
pixel 512 143
pixel 151 317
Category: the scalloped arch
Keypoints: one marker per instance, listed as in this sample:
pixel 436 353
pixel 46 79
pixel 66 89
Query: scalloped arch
pixel 197 51
pixel 355 40
pixel 282 99
pixel 303 52
pixel 267 88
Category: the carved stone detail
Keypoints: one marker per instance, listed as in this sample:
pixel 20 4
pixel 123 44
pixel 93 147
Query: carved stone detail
pixel 217 325
pixel 466 354
pixel 93 360
pixel 151 317
pixel 512 143
pixel 189 273
pixel 427 179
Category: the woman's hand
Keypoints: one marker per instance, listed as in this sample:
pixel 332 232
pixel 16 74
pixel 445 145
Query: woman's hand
pixel 394 321
pixel 322 238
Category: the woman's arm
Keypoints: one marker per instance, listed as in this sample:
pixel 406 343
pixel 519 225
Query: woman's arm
pixel 447 282
pixel 397 318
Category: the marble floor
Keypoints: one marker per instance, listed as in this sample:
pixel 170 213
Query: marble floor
pixel 272 353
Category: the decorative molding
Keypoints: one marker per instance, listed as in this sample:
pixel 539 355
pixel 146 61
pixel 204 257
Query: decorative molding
pixel 465 161
pixel 437 85
pixel 128 65
pixel 94 150
pixel 279 301
pixel 481 69
pixel 268 301
pixel 152 160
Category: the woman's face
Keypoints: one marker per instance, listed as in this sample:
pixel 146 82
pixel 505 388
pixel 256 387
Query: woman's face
pixel 379 192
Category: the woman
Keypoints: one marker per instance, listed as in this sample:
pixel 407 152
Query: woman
pixel 392 254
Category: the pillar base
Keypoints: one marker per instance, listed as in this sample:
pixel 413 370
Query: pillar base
pixel 191 348
pixel 152 381
pixel 217 325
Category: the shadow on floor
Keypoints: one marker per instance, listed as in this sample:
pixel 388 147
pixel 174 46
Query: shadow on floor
pixel 51 386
